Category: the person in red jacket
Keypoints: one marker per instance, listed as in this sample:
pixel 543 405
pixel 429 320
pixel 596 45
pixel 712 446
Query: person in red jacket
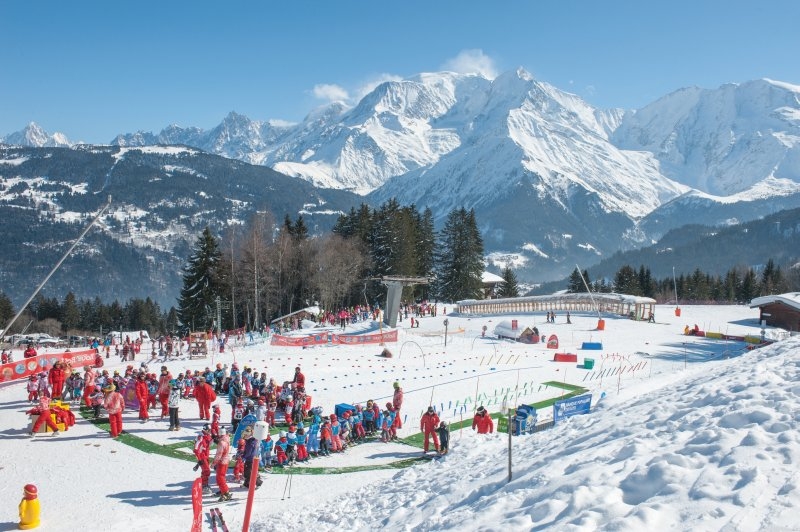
pixel 163 390
pixel 202 450
pixel 56 379
pixel 88 384
pixel 204 394
pixel 222 459
pixel 483 421
pixel 428 425
pixel 30 352
pixel 114 403
pixel 43 409
pixel 397 403
pixel 142 395
pixel 299 380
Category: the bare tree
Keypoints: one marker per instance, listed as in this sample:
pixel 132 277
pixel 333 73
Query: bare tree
pixel 338 266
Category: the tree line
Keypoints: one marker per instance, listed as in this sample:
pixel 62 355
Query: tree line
pixel 738 285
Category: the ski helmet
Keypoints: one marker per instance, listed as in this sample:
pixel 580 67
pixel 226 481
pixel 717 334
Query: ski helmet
pixel 206 427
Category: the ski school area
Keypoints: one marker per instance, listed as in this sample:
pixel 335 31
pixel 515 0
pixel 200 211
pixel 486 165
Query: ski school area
pixel 453 363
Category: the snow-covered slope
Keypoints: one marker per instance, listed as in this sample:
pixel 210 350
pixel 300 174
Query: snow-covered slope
pixel 721 141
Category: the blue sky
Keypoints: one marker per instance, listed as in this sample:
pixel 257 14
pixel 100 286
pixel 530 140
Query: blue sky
pixel 93 69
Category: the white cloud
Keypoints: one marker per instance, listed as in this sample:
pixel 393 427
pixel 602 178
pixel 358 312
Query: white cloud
pixel 330 92
pixel 472 62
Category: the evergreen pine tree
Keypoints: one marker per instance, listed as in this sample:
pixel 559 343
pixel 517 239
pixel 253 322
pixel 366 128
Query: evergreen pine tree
pixel 509 288
pixel 203 280
pixel 459 258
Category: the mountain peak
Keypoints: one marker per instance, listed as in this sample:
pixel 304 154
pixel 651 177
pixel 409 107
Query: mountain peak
pixel 34 136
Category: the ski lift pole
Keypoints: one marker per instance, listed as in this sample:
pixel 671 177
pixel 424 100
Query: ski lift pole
pixel 58 265
pixel 600 323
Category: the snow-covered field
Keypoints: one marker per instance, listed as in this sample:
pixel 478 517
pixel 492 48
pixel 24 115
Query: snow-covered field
pixel 690 434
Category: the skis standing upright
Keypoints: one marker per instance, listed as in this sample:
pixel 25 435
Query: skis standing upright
pixel 213 515
pixel 222 522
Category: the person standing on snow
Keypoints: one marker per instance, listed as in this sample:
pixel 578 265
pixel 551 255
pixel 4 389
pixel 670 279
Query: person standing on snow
pixel 397 403
pixel 174 403
pixel 428 425
pixel 142 395
pixel 251 450
pixel 299 380
pixel 444 437
pixel 205 395
pixel 114 403
pixel 163 391
pixel 56 379
pixel 483 421
pixel 88 384
pixel 202 450
pixel 222 459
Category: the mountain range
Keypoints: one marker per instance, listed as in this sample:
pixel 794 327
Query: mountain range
pixel 553 180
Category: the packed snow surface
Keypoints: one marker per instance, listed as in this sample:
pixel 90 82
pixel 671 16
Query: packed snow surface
pixel 686 433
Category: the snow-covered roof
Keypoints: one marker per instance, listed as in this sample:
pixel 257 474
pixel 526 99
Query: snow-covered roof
pixel 791 299
pixel 489 277
pixel 310 310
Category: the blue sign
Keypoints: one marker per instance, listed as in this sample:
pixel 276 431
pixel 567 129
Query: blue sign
pixel 571 407
pixel 247 421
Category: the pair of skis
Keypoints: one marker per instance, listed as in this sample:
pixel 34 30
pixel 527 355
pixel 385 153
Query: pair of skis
pixel 216 515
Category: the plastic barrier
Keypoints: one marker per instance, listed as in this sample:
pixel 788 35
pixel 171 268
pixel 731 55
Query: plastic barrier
pixel 596 346
pixel 565 357
pixel 588 363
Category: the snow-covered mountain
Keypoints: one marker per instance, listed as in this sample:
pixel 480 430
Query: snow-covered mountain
pixel 33 136
pixel 588 181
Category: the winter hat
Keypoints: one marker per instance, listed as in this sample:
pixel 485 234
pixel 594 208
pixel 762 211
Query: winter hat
pixel 481 410
pixel 223 431
pixel 396 384
pixel 282 434
pixel 430 409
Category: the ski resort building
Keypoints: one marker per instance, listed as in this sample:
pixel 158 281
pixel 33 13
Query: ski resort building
pixel 780 310
pixel 634 307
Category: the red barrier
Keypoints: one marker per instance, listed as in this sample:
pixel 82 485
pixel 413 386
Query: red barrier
pixel 338 339
pixel 565 357
pixel 26 367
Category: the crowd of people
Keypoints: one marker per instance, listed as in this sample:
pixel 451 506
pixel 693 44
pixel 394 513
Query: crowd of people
pixel 301 432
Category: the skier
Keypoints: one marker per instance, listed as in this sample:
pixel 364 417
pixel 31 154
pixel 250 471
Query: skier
pixel 205 395
pixel 174 402
pixel 221 460
pixel 482 421
pixel 444 437
pixel 33 388
pixel 56 379
pixel 216 414
pixel 43 409
pixel 428 425
pixel 251 450
pixel 114 403
pixel 88 384
pixel 163 390
pixel 142 396
pixel 397 403
pixel 202 450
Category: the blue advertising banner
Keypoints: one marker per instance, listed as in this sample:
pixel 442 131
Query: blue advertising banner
pixel 571 407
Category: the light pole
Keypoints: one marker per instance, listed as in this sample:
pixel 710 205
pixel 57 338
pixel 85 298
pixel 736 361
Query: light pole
pixel 445 331
pixel 260 431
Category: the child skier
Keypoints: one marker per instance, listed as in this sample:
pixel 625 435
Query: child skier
pixel 444 437
pixel 238 467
